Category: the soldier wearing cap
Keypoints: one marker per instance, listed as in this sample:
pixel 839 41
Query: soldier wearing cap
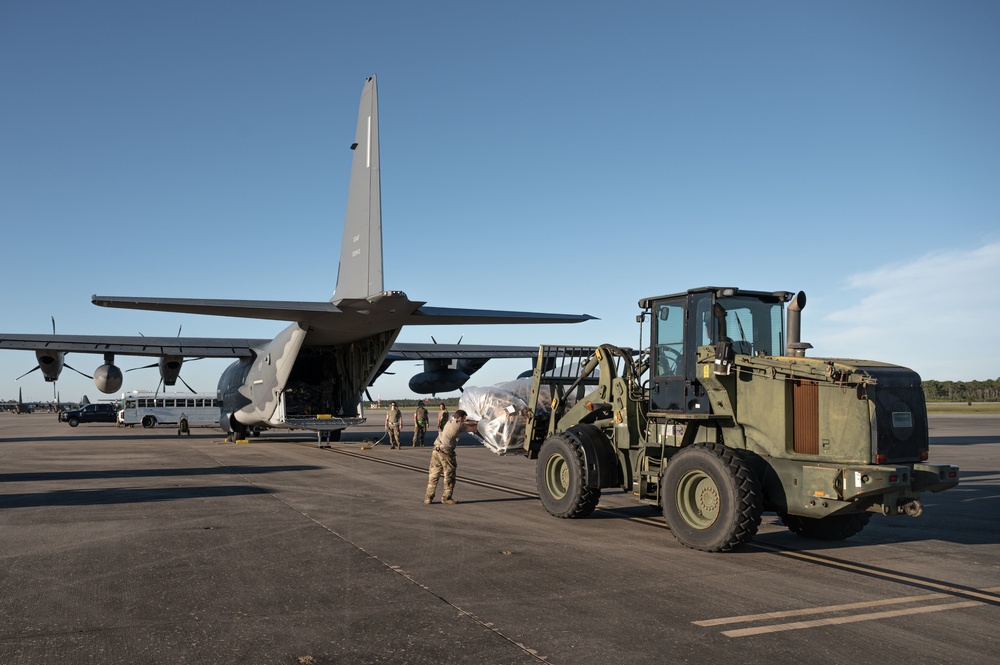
pixel 393 423
pixel 443 459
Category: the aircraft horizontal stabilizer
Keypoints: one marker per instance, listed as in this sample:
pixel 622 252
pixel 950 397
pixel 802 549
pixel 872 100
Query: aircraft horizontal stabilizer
pixel 347 319
pixel 277 310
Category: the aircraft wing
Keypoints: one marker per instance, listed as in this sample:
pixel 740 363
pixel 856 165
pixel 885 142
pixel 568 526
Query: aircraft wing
pixel 222 347
pixel 433 316
pixel 405 351
pixel 190 347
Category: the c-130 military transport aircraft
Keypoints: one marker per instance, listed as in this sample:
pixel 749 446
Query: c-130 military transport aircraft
pixel 312 375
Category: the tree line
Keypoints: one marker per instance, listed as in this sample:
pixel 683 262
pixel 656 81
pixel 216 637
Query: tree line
pixel 962 391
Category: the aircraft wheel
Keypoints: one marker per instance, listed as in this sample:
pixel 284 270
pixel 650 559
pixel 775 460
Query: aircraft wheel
pixel 560 478
pixel 711 498
pixel 833 527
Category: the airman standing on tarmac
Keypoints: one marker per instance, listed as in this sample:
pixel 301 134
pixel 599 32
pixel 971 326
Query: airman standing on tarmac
pixel 419 424
pixel 442 417
pixel 393 424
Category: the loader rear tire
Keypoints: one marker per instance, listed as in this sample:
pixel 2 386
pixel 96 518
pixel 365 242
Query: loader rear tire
pixel 834 527
pixel 561 480
pixel 711 498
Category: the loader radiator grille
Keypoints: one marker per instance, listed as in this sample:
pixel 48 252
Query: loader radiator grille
pixel 805 415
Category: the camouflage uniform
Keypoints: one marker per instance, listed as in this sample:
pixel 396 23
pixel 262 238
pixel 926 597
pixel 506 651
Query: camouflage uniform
pixel 419 425
pixel 444 462
pixel 442 417
pixel 393 423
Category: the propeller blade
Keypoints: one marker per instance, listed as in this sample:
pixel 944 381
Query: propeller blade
pixel 53 325
pixel 29 372
pixel 143 367
pixel 77 371
pixel 186 383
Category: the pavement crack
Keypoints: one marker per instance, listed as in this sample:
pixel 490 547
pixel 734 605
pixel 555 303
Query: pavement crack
pixel 396 570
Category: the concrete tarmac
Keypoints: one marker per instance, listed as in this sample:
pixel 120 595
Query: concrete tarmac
pixel 139 546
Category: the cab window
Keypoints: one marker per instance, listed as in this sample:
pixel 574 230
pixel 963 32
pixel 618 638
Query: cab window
pixel 669 339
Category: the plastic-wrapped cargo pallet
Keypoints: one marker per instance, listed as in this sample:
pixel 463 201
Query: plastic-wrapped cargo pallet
pixel 501 411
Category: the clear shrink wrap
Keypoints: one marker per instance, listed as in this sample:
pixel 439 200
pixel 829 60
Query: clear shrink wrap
pixel 502 411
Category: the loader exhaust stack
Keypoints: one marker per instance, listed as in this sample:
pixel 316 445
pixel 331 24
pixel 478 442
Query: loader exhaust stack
pixel 796 347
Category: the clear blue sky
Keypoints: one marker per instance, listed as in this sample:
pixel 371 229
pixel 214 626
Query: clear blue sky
pixel 563 156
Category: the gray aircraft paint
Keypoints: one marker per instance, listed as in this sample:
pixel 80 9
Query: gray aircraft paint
pixel 268 377
pixel 360 272
pixel 341 346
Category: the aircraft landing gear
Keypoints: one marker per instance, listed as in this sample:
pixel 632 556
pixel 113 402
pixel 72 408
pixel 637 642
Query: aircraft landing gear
pixel 323 439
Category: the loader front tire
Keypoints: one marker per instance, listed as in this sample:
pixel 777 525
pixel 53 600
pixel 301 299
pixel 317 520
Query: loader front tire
pixel 711 498
pixel 561 480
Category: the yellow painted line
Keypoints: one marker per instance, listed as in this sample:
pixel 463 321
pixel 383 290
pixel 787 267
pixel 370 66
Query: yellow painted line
pixel 836 621
pixel 747 618
pixel 948 591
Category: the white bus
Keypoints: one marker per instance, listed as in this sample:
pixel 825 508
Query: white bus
pixel 151 409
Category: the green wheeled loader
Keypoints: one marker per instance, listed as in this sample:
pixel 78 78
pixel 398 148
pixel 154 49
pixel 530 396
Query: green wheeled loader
pixel 723 417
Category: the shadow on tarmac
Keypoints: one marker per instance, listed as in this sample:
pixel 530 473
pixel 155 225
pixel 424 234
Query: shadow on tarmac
pixel 104 437
pixel 506 499
pixel 962 440
pixel 119 496
pixel 148 473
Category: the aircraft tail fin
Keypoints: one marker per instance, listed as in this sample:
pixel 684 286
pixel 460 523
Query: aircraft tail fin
pixel 360 271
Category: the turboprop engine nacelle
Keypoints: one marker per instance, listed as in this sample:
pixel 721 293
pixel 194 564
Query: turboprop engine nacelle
pixel 170 369
pixel 438 381
pixel 51 363
pixel 445 375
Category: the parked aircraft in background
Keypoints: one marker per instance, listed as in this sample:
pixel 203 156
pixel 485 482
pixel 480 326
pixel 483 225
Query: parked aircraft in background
pixel 21 407
pixel 313 373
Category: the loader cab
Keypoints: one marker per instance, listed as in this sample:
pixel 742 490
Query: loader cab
pixel 749 321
